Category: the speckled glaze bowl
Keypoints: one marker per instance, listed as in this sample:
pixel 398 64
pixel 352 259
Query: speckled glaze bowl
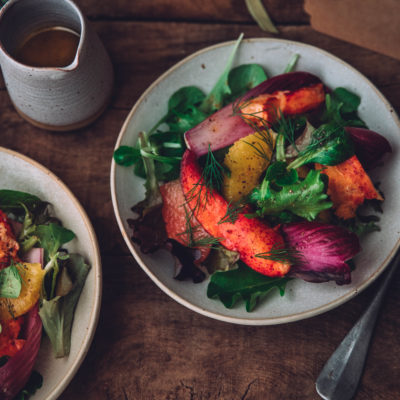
pixel 18 172
pixel 302 299
pixel 62 98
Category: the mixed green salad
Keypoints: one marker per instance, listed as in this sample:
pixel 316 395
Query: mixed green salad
pixel 258 182
pixel 40 285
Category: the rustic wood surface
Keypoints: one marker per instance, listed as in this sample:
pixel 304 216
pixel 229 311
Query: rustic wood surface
pixel 147 346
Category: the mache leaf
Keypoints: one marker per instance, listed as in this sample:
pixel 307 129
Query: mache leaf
pixel 52 237
pixel 341 107
pixel 183 121
pixel 182 101
pixel 185 98
pixel 13 200
pixel 126 155
pixel 215 99
pixel 243 78
pixel 10 282
pixel 242 283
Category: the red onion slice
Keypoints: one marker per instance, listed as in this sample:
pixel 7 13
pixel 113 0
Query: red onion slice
pixel 16 372
pixel 219 130
pixel 34 255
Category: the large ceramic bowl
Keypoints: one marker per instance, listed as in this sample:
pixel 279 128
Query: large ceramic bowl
pixel 202 69
pixel 18 172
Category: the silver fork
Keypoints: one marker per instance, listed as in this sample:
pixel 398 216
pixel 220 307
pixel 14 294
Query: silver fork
pixel 341 374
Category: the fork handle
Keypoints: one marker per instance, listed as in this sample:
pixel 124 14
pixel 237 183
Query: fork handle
pixel 341 374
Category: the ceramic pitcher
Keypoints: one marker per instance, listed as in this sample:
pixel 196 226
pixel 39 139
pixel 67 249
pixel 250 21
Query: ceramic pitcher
pixel 55 98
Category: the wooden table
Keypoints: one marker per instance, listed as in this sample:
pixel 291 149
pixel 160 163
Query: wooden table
pixel 147 346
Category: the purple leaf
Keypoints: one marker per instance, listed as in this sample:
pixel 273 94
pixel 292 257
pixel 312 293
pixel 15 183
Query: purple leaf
pixel 369 146
pixel 324 250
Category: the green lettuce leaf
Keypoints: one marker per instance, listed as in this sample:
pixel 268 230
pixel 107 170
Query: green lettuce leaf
pixel 57 314
pixel 306 198
pixel 242 283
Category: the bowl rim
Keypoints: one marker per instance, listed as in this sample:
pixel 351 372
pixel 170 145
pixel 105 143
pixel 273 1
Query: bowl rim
pixel 136 253
pixel 95 267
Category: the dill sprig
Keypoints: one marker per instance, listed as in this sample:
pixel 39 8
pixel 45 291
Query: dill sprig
pixel 232 212
pixel 212 172
pixel 286 127
pixel 206 241
pixel 211 179
pixel 283 255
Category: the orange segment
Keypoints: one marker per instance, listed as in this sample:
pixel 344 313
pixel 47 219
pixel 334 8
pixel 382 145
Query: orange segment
pixel 32 278
pixel 349 185
pixel 246 160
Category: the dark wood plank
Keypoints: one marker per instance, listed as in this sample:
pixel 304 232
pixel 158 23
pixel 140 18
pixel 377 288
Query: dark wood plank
pixel 157 46
pixel 230 11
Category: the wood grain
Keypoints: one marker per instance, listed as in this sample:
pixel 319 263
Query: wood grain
pixel 147 346
pixel 207 11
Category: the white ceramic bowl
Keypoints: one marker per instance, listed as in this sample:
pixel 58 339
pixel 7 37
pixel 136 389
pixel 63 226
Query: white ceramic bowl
pixel 18 172
pixel 202 69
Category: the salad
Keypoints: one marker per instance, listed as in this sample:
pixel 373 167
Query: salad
pixel 261 181
pixel 40 284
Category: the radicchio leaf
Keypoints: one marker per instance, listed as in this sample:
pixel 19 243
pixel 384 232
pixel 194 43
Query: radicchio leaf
pixel 369 146
pixel 15 373
pixel 324 250
pixel 148 229
pixel 222 128
pixel 186 258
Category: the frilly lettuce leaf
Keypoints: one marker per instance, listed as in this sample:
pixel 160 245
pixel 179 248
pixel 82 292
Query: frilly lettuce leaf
pixel 306 198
